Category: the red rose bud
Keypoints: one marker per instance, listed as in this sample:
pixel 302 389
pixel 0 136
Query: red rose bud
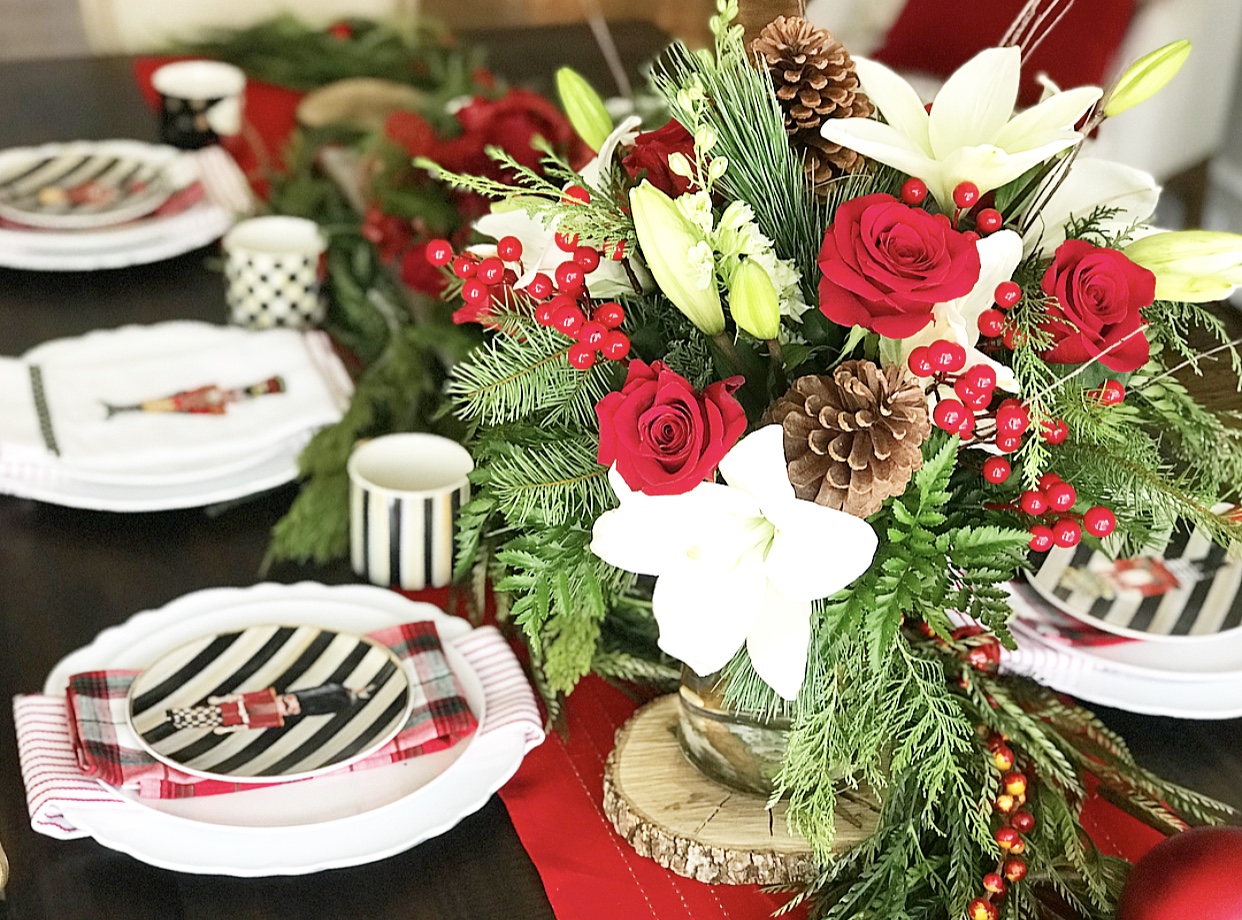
pixel 1066 533
pixel 1099 521
pixel 648 158
pixel 996 470
pixel 664 436
pixel 1095 295
pixel 1042 538
pixel 870 280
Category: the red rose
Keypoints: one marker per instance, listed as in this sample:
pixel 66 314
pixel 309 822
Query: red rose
pixel 419 274
pixel 1099 293
pixel 663 436
pixel 511 122
pixel 411 131
pixel 650 153
pixel 886 265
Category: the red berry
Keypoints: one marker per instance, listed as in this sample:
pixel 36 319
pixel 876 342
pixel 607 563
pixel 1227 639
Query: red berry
pixel 1006 837
pixel 465 265
pixel 991 323
pixel 581 356
pixel 1002 757
pixel 1099 521
pixel 616 345
pixel 981 909
pixel 587 257
pixel 1014 783
pixel 981 376
pixel 966 430
pixel 509 248
pixel 974 399
pixel 1014 870
pixel 1066 533
pixel 1047 480
pixel 945 356
pixel 919 363
pixel 491 271
pixel 1012 417
pixel 569 276
pixel 989 220
pixel 592 334
pixel 948 414
pixel 966 195
pixel 575 194
pixel 568 318
pixel 1042 539
pixel 1008 443
pixel 1007 294
pixel 1111 393
pixel 439 253
pixel 611 314
pixel 1061 496
pixel 543 313
pixel 914 191
pixel 993 883
pixel 540 286
pixel 1055 432
pixel 1023 822
pixel 565 242
pixel 475 292
pixel 996 470
pixel 1033 502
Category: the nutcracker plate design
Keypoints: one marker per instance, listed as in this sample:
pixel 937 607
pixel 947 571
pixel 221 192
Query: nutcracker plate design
pixel 270 703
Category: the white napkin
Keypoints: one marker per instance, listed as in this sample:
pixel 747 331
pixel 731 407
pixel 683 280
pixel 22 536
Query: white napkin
pixel 138 363
pixel 52 776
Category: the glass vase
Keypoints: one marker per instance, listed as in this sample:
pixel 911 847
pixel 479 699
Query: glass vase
pixel 736 749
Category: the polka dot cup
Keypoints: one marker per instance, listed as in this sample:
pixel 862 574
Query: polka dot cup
pixel 273 275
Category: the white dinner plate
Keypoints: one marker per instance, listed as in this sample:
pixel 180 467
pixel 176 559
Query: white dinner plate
pixel 121 180
pixel 353 818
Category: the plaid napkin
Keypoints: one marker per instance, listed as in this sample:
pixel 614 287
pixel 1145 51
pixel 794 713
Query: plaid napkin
pixel 106 747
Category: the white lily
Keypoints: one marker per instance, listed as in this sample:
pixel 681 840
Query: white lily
pixel 1093 184
pixel 971 134
pixel 540 254
pixel 958 320
pixel 737 563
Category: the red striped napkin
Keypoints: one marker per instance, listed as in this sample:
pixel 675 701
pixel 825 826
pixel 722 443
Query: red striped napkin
pixel 52 767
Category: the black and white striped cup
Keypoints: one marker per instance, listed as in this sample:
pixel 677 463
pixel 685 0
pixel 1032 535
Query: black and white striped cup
pixel 405 491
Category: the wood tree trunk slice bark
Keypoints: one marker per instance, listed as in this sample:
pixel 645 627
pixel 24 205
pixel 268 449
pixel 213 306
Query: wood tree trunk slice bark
pixel 667 810
pixel 755 14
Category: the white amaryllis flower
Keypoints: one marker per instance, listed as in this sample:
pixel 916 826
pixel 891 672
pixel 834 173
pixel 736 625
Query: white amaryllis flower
pixel 971 133
pixel 539 250
pixel 1093 184
pixel 737 563
pixel 958 320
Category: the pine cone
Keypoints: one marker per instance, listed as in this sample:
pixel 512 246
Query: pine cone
pixel 815 81
pixel 853 439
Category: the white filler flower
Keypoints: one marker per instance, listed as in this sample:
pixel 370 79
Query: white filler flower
pixel 737 563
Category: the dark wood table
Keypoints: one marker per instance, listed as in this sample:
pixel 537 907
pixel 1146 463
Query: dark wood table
pixel 67 574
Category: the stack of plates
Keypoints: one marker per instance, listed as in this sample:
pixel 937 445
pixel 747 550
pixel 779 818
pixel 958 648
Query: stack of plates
pixel 89 205
pixel 143 461
pixel 1158 634
pixel 352 818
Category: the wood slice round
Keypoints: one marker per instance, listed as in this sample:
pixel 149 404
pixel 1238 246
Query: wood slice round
pixel 667 810
pixel 358 102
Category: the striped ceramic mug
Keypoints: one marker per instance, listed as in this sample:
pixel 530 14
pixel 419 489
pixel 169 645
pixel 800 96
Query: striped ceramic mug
pixel 405 491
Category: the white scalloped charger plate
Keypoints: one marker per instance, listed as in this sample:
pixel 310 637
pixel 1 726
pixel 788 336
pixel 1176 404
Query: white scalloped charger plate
pixel 352 819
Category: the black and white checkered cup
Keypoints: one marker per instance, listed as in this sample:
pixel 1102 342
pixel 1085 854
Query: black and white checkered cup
pixel 405 491
pixel 272 273
pixel 200 102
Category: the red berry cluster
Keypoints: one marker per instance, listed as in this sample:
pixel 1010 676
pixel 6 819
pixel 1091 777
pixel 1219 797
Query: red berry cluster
pixel 944 363
pixel 965 197
pixel 992 320
pixel 1016 823
pixel 560 303
pixel 1053 502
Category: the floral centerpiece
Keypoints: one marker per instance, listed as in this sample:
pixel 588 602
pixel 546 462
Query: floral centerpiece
pixel 791 386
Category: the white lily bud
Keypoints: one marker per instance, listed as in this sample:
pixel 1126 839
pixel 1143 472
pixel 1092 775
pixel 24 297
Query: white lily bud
pixel 753 301
pixel 679 163
pixel 717 168
pixel 583 107
pixel 1196 266
pixel 666 239
pixel 704 138
pixel 1147 76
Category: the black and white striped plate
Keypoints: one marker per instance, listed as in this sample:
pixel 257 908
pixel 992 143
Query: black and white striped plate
pixel 287 659
pixel 1189 591
pixel 82 185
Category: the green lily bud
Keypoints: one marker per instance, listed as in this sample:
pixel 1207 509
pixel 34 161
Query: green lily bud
pixel 1147 76
pixel 753 301
pixel 1195 266
pixel 678 258
pixel 583 107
